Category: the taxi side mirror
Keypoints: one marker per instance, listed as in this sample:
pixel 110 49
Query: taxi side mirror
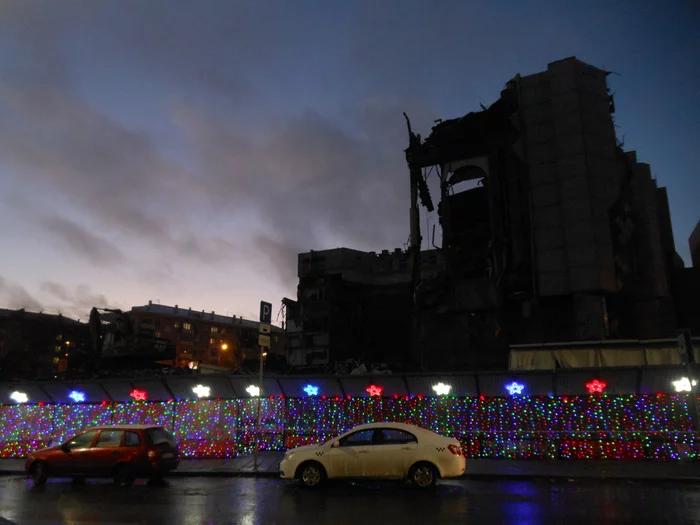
pixel 335 444
pixel 65 448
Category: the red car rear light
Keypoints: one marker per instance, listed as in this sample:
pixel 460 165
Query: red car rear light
pixel 455 449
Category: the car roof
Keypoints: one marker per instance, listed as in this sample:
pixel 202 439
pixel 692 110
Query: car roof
pixel 399 426
pixel 124 427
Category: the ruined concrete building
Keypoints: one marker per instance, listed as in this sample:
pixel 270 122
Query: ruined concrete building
pixel 551 232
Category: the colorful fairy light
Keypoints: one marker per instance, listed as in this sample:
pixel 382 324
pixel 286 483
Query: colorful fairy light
pixel 253 391
pixel 77 396
pixel 515 388
pixel 19 397
pixel 311 390
pixel 374 390
pixel 201 391
pixel 596 386
pixel 655 426
pixel 442 389
pixel 138 395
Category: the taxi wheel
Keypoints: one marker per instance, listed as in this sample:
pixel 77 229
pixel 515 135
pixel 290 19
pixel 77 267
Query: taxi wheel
pixel 38 473
pixel 311 474
pixel 124 476
pixel 423 475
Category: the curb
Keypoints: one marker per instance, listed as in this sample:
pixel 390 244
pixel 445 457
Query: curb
pixel 176 474
pixel 479 477
pixel 575 479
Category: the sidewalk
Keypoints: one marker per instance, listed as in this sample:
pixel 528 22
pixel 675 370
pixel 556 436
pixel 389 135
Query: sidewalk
pixel 268 464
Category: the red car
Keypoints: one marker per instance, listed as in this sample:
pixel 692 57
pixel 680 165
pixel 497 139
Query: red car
pixel 122 452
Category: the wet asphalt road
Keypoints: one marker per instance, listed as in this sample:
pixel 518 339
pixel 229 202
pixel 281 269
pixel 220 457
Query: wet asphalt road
pixel 247 501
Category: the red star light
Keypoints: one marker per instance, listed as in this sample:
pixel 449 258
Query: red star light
pixel 374 390
pixel 138 395
pixel 596 386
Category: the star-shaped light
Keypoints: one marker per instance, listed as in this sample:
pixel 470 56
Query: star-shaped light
pixel 311 390
pixel 253 390
pixel 596 386
pixel 77 396
pixel 138 395
pixel 201 390
pixel 19 397
pixel 374 390
pixel 684 384
pixel 442 389
pixel 515 388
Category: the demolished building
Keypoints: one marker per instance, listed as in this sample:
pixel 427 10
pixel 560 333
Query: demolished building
pixel 551 232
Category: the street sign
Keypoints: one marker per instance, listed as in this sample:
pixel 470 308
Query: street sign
pixel 264 328
pixel 265 312
pixel 264 340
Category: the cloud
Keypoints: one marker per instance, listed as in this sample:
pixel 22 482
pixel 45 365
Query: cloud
pixel 311 182
pixel 74 302
pixel 82 242
pixel 16 296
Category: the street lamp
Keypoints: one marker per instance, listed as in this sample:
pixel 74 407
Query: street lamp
pixel 224 346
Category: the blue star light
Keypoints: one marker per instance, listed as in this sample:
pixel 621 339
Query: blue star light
pixel 77 396
pixel 311 390
pixel 515 388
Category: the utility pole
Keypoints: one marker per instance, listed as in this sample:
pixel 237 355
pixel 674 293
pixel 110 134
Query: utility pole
pixel 416 175
pixel 263 342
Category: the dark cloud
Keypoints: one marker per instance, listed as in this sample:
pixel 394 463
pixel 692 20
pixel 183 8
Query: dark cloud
pixel 74 302
pixel 56 290
pixel 15 296
pixel 75 239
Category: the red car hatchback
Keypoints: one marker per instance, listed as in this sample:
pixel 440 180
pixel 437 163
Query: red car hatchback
pixel 123 452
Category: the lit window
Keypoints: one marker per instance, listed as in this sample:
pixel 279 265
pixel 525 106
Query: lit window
pixel 59 337
pixel 211 341
pixel 186 326
pixel 176 325
pixel 214 329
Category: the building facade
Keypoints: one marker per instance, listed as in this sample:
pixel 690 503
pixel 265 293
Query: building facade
pixel 38 345
pixel 205 337
pixel 551 233
pixel 694 244
pixel 352 305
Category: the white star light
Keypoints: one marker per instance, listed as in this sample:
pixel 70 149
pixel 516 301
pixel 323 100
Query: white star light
pixel 202 391
pixel 19 397
pixel 253 390
pixel 442 389
pixel 515 388
pixel 684 384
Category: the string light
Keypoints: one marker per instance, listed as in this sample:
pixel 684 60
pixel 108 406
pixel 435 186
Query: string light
pixel 201 391
pixel 638 426
pixel 684 384
pixel 442 389
pixel 138 395
pixel 374 390
pixel 77 396
pixel 19 397
pixel 311 390
pixel 515 388
pixel 596 386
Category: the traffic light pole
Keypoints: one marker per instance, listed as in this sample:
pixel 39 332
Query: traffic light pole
pixel 259 408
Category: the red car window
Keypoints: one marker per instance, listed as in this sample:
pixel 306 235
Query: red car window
pixel 82 440
pixel 109 439
pixel 132 439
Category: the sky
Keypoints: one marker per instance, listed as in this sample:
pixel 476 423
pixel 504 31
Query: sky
pixel 185 152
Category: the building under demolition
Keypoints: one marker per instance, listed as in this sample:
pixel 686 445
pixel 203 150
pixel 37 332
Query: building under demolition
pixel 551 233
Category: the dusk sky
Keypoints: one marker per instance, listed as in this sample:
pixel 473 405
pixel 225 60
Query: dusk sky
pixel 186 151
